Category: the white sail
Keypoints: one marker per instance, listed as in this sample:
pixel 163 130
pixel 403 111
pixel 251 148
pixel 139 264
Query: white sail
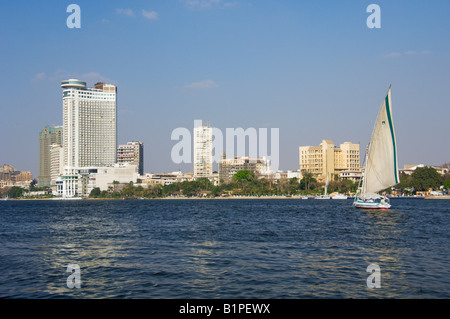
pixel 381 168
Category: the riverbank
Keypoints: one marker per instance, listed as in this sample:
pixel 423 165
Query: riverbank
pixel 225 197
pixel 438 197
pixel 168 197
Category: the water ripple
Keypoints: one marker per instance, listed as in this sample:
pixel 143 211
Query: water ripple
pixel 223 249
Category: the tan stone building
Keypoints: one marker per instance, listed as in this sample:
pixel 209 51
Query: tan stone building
pixel 10 177
pixel 329 159
pixel 230 166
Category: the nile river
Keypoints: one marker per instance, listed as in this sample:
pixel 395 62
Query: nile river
pixel 236 248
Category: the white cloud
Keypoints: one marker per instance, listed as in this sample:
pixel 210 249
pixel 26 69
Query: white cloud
pixel 398 54
pixel 206 84
pixel 151 15
pixel 203 4
pixel 126 12
pixel 93 77
pixel 230 4
pixel 39 77
pixel 392 54
pixel 59 75
pixel 200 3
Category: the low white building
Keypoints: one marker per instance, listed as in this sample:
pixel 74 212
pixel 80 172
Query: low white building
pixel 80 181
pixel 409 169
pixel 353 175
pixel 291 174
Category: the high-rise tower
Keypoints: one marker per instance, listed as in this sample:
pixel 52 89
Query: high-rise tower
pixel 90 124
pixel 47 137
pixel 203 156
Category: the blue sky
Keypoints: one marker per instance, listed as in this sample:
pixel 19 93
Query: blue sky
pixel 313 69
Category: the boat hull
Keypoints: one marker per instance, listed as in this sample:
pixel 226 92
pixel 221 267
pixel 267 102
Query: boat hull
pixel 339 197
pixel 371 205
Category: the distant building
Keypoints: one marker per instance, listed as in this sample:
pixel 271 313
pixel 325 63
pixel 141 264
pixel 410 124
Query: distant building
pixel 90 125
pixel 203 158
pixel 354 176
pixel 80 181
pixel 327 159
pixel 165 178
pixel 132 153
pixel 229 167
pixel 10 177
pixel 7 172
pixel 47 137
pixel 409 169
pixel 24 176
pixel 294 174
pixel 56 163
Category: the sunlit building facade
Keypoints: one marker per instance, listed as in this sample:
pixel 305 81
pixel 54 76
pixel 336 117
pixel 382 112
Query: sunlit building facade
pixel 89 123
pixel 328 160
pixel 132 153
pixel 203 152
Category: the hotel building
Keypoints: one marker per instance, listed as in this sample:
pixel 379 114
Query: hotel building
pixel 89 123
pixel 327 159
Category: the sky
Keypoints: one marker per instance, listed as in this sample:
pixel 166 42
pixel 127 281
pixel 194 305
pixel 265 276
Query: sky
pixel 312 69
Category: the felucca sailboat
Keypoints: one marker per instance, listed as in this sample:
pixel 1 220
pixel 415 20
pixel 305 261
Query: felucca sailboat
pixel 381 170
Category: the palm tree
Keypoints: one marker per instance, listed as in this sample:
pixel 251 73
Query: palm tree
pixel 115 183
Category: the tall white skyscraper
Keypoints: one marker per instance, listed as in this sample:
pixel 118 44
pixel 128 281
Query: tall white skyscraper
pixel 203 156
pixel 90 124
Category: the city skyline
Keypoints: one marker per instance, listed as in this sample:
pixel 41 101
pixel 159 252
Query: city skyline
pixel 315 71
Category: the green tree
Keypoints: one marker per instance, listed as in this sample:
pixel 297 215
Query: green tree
pixel 95 192
pixel 15 192
pixel 308 181
pixel 447 183
pixel 116 186
pixel 104 194
pixel 424 178
pixel 405 181
pixel 204 183
pixel 191 188
pixel 246 175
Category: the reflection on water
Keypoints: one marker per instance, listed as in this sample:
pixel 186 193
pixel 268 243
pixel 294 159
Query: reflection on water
pixel 223 249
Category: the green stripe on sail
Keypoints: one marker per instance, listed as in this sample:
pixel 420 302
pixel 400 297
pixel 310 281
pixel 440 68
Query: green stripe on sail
pixel 388 111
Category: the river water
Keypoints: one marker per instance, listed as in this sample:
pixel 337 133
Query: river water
pixel 224 249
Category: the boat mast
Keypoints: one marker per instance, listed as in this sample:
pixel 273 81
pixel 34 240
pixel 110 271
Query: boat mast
pixel 362 189
pixel 364 170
